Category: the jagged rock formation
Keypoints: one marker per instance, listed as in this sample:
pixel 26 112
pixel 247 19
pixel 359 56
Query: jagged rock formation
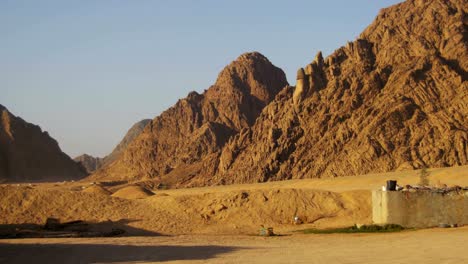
pixel 28 154
pixel 196 128
pixel 396 98
pixel 92 164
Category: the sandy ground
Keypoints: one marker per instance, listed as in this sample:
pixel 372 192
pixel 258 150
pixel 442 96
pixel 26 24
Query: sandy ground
pixel 423 246
pixel 216 224
pixel 233 209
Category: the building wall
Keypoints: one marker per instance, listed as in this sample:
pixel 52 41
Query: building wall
pixel 419 209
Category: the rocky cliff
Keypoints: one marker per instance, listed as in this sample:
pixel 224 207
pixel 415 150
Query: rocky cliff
pixel 29 154
pixel 196 128
pixel 395 98
pixel 92 164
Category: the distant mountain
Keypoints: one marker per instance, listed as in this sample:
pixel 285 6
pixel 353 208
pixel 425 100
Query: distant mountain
pixel 28 154
pixel 94 163
pixel 90 163
pixel 196 128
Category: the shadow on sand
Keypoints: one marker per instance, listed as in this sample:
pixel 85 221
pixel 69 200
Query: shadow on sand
pixel 74 229
pixel 102 253
pixel 75 250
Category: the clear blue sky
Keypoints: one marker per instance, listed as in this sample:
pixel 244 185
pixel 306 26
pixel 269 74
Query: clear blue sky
pixel 85 71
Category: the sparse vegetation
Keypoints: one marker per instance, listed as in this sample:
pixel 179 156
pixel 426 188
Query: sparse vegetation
pixel 354 229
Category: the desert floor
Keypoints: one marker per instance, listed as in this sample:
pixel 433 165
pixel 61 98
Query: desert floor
pixel 219 224
pixel 422 246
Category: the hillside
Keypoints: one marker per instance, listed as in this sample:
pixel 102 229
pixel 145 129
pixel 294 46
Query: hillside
pixel 92 164
pixel 394 99
pixel 29 154
pixel 131 134
pixel 196 128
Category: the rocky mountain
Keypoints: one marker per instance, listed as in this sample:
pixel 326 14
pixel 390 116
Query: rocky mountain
pixel 196 128
pixel 29 154
pixel 395 98
pixel 132 133
pixel 92 164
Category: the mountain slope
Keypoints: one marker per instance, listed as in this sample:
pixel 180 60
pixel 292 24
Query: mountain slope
pixel 94 163
pixel 396 98
pixel 131 134
pixel 197 127
pixel 28 154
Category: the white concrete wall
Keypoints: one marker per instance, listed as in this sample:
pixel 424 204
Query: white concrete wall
pixel 419 209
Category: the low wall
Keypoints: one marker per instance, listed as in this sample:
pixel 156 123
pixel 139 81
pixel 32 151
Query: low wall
pixel 419 209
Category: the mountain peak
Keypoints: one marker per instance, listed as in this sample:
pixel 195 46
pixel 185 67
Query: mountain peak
pixel 198 126
pixel 253 74
pixel 252 56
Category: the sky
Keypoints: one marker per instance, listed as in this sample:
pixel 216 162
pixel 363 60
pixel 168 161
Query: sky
pixel 86 71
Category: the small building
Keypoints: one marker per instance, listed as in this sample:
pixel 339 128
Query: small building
pixel 420 209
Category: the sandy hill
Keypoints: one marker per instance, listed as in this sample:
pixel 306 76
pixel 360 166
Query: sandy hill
pixel 29 154
pixel 197 127
pixel 133 192
pixel 92 164
pixel 96 189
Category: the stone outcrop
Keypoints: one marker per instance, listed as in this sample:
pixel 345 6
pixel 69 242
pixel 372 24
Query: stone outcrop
pixel 29 154
pixel 395 98
pixel 192 133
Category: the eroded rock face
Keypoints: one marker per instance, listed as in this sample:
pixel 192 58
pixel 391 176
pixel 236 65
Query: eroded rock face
pixel 396 98
pixel 29 154
pixel 196 128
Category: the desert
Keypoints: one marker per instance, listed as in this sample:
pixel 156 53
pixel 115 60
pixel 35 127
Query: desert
pixel 215 225
pixel 358 156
